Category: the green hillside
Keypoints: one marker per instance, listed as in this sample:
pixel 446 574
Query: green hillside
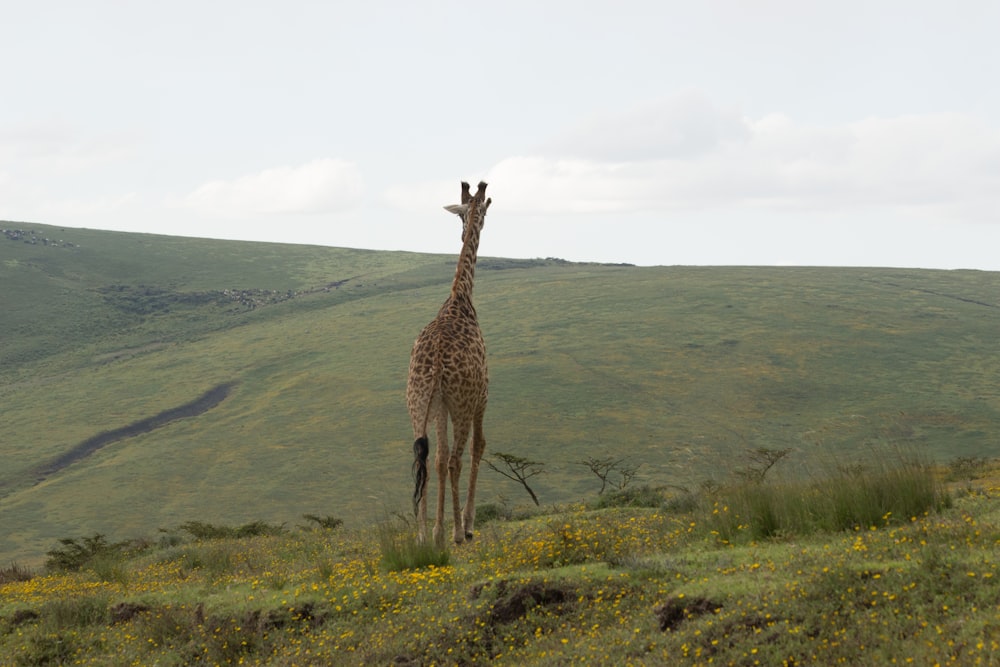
pixel 682 369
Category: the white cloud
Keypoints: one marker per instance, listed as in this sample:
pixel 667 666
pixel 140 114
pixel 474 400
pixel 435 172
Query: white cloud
pixel 44 149
pixel 683 126
pixel 320 186
pixel 88 209
pixel 423 197
pixel 939 165
pixel 53 171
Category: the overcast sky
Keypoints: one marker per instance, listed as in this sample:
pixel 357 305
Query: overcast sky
pixel 654 132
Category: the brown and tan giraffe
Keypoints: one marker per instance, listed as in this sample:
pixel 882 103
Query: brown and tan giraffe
pixel 448 378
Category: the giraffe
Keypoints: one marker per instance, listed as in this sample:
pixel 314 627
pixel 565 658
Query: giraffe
pixel 448 377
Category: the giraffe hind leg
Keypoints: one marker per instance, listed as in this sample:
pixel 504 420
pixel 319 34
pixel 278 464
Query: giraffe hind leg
pixel 441 456
pixel 421 447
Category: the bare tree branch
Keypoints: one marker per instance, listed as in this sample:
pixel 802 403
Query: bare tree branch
pixel 762 459
pixel 518 469
pixel 608 468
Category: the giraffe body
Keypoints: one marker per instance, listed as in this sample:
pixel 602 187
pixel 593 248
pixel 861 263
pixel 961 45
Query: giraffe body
pixel 448 379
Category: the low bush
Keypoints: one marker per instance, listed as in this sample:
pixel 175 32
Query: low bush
pixel 968 468
pixel 207 531
pixel 492 512
pixel 326 522
pixel 633 496
pixel 93 552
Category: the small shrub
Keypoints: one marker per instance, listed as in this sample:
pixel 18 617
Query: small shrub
pixel 168 539
pixel 94 552
pixel 636 496
pixel 200 530
pixel 682 503
pixel 326 522
pixel 492 512
pixel 967 468
pixel 207 531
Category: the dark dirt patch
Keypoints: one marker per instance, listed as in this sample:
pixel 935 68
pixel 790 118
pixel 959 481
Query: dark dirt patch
pixel 309 615
pixel 22 616
pixel 675 611
pixel 514 602
pixel 123 612
pixel 404 661
pixel 262 621
pixel 737 632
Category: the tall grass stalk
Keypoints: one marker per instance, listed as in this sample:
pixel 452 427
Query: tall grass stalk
pixel 898 489
pixel 401 550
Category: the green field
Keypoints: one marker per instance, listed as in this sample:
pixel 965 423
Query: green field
pixel 681 369
pixel 733 575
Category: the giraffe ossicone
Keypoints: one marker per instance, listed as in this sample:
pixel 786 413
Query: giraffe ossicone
pixel 448 379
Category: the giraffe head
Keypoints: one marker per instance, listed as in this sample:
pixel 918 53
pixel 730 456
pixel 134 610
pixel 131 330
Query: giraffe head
pixel 472 209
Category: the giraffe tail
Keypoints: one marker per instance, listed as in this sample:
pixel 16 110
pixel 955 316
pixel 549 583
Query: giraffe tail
pixel 421 447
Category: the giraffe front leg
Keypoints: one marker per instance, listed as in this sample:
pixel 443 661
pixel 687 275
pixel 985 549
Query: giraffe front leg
pixel 478 447
pixel 455 471
pixel 442 473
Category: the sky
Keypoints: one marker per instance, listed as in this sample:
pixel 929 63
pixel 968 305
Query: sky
pixel 717 132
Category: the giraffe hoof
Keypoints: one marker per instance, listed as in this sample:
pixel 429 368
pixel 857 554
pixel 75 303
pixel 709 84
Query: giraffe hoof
pixel 468 537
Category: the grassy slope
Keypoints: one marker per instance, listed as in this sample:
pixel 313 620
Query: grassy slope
pixel 682 369
pixel 609 587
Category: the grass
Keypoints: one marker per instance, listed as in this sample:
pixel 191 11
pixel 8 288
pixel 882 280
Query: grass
pixel 678 368
pixel 850 499
pixel 619 585
pixel 401 550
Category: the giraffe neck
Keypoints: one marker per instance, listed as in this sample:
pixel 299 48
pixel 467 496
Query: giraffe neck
pixel 465 272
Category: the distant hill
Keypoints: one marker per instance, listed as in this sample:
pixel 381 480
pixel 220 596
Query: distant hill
pixel 682 369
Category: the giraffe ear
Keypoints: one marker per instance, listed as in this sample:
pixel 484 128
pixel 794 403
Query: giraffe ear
pixel 458 209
